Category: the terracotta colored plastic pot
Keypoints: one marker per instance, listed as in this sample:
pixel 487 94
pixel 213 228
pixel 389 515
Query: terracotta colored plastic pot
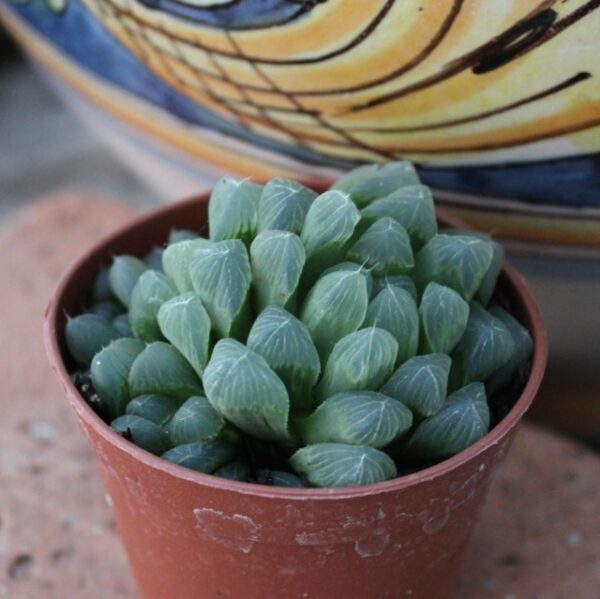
pixel 190 535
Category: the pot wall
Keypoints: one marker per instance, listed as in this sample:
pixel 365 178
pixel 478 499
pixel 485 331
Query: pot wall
pixel 192 535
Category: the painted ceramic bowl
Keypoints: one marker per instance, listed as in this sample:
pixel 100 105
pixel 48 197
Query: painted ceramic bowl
pixel 498 102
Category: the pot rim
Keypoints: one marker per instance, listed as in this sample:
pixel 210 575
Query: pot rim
pixel 84 411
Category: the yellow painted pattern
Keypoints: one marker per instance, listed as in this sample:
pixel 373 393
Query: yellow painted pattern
pixel 387 78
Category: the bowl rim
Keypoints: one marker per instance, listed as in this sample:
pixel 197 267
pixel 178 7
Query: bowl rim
pixel 84 411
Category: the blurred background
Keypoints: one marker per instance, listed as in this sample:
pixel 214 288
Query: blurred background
pixel 44 148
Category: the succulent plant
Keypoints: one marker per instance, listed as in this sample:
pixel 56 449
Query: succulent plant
pixel 313 340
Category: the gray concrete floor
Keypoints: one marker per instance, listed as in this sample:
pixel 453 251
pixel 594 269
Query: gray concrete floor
pixel 44 148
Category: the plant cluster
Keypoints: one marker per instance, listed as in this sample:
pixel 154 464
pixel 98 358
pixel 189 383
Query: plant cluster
pixel 319 340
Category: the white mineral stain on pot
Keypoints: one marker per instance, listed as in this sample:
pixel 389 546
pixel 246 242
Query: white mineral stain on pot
pixel 373 545
pixel 236 531
pixel 435 524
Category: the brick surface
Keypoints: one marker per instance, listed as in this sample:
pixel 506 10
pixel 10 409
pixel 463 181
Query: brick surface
pixel 539 535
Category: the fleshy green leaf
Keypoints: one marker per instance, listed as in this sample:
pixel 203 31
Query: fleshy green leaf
pixel 356 418
pixel 177 235
pixel 412 207
pixel 153 258
pixel 221 277
pixel 107 309
pixel 421 384
pixel 101 291
pixel 186 324
pixel 142 432
pixel 237 470
pixel 206 456
pixel 195 421
pixel 328 226
pixel 368 183
pixel 232 209
pixel 486 346
pixel 283 205
pixel 86 335
pixel 385 248
pixel 402 281
pixel 110 373
pixel 488 284
pixel 340 465
pixel 522 352
pixel 361 360
pixel 160 369
pixel 462 421
pixel 123 275
pixel 335 307
pixel 241 386
pixel 285 343
pixel 151 291
pixel 457 261
pixel 351 267
pixel 352 178
pixel 277 259
pixel 156 408
pixel 121 323
pixel 444 314
pixel 395 311
pixel 277 478
pixel 176 261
